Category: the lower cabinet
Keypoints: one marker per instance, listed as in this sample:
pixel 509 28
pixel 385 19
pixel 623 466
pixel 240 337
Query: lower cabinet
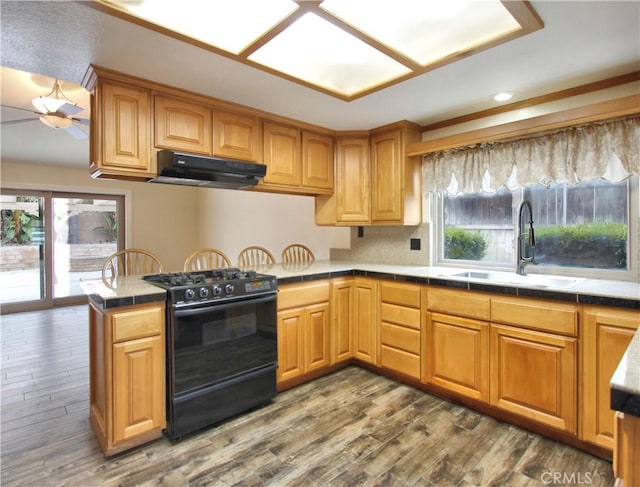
pixel 544 360
pixel 400 327
pixel 127 375
pixel 534 374
pixel 365 321
pixel 341 320
pixel 516 354
pixel 303 329
pixel 457 355
pixel 606 334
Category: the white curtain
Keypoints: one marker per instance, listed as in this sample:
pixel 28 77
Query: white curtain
pixel 609 150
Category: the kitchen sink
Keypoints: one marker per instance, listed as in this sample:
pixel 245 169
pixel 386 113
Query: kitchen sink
pixel 551 281
pixel 538 280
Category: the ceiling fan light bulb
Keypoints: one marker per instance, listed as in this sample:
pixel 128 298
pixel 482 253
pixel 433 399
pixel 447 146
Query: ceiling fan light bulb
pixel 55 122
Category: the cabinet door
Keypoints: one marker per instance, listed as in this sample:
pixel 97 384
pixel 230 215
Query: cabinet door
pixel 341 319
pixel 457 355
pixel 534 374
pixel 365 346
pixel 236 136
pixel 317 161
pixel 122 144
pixel 606 335
pixel 182 126
pixel 138 387
pixel 352 180
pixel 386 177
pixel 317 336
pixel 282 154
pixel 290 344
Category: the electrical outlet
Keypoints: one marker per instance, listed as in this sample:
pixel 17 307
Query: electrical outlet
pixel 414 244
pixel 360 232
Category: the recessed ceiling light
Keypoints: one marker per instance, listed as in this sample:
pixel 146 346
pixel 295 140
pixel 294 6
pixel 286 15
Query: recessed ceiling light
pixel 502 96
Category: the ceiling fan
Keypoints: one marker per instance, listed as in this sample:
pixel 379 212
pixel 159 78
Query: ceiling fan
pixel 56 111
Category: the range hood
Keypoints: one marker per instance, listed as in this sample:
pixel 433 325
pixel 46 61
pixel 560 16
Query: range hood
pixel 209 172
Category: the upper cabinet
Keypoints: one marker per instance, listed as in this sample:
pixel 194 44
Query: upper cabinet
pixel 282 154
pixel 352 184
pixel 298 161
pixel 375 183
pixel 195 128
pixel 120 131
pixel 358 178
pixel 132 119
pixel 181 125
pixel 236 136
pixel 317 161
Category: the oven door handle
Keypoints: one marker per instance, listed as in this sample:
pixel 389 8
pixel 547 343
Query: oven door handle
pixel 207 308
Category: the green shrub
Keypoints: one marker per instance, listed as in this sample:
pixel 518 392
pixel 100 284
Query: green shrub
pixel 600 244
pixel 18 227
pixel 463 244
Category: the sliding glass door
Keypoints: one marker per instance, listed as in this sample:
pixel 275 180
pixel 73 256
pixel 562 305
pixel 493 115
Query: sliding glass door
pixel 50 242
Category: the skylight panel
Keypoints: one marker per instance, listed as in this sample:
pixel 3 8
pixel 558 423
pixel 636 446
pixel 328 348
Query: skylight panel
pixel 230 25
pixel 426 31
pixel 318 52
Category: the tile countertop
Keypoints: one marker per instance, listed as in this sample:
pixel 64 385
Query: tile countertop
pixel 625 383
pixel 124 291
pixel 132 290
pixel 588 291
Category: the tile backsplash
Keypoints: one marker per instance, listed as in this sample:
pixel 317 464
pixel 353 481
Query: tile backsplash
pixel 387 245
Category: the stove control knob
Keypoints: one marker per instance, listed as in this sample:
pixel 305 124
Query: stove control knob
pixel 203 292
pixel 229 288
pixel 217 290
pixel 189 294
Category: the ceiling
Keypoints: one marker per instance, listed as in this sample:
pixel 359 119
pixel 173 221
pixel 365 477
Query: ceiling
pixel 581 42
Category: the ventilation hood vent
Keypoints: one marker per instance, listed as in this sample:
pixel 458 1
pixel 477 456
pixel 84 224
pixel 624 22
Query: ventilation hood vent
pixel 208 172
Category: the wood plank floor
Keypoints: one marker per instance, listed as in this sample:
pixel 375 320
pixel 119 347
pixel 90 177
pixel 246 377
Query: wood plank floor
pixel 352 428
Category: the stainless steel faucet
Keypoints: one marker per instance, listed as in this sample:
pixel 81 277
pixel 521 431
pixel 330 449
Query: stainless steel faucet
pixel 525 257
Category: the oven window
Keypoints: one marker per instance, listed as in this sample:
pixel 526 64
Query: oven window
pixel 217 343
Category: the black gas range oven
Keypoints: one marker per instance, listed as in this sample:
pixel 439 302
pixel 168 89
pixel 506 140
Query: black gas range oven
pixel 221 345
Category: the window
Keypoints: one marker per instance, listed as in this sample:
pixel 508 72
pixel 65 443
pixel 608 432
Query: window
pixel 580 230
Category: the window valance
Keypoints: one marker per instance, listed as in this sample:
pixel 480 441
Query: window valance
pixel 609 150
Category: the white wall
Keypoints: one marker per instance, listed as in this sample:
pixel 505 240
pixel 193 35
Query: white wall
pixel 231 220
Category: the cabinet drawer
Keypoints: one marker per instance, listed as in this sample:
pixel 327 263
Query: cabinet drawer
pixel 138 323
pixel 400 337
pixel 400 361
pixel 298 295
pixel 459 303
pixel 401 294
pixel 537 314
pixel 400 315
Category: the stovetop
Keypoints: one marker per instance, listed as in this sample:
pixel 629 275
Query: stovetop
pixel 177 279
pixel 212 285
